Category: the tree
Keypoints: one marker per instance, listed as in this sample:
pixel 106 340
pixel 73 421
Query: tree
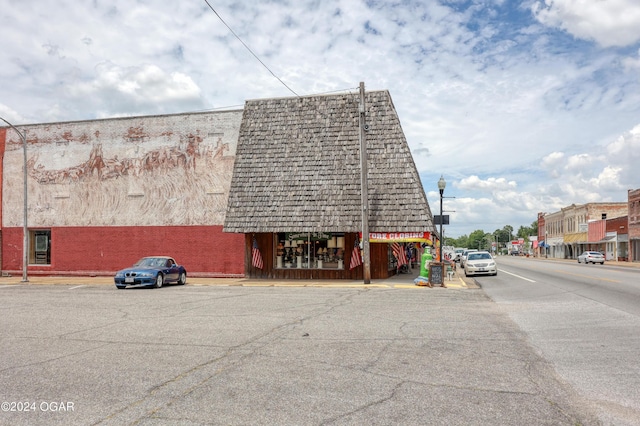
pixel 528 231
pixel 476 239
pixel 508 229
pixel 480 239
pixel 460 242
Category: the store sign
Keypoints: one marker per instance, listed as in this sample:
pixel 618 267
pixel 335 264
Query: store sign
pixel 313 236
pixel 399 237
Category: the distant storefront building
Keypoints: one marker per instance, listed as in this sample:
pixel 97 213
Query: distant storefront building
pixel 576 228
pixel 634 225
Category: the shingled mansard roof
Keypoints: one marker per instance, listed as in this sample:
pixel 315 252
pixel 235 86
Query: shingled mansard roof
pixel 297 168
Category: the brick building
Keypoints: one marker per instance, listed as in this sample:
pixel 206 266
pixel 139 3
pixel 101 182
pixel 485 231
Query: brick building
pixel 609 237
pixel 634 224
pixel 566 232
pixel 103 193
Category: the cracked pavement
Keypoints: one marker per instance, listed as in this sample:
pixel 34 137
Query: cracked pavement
pixel 216 355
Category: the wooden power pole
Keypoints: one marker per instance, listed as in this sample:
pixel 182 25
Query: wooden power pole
pixel 364 161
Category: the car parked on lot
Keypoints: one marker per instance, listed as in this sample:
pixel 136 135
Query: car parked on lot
pixel 480 262
pixel 591 257
pixel 153 271
pixel 465 253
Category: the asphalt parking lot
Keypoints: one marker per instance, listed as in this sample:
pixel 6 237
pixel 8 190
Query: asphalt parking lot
pixel 286 355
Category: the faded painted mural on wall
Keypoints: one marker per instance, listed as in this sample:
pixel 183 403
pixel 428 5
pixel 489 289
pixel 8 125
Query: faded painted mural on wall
pixel 142 171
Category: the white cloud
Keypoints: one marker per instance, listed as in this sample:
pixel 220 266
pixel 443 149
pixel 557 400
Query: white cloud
pixel 126 90
pixel 579 163
pixel 474 183
pixel 553 163
pixel 10 115
pixel 632 64
pixel 609 23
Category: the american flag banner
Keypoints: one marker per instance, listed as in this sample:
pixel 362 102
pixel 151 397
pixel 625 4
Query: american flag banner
pixel 356 258
pixel 399 253
pixel 256 257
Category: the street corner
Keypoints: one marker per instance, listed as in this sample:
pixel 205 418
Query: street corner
pixel 454 281
pixel 468 282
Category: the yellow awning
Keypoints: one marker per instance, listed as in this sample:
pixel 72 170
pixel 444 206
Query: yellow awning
pixel 580 237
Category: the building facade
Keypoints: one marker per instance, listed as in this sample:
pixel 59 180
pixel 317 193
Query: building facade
pixel 634 224
pixel 279 179
pixel 296 192
pixel 609 237
pixel 576 228
pixel 103 193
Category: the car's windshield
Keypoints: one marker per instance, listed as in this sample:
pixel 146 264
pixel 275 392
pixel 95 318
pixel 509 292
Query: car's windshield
pixel 150 261
pixel 479 256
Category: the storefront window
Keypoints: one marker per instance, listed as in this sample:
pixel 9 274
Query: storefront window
pixel 315 250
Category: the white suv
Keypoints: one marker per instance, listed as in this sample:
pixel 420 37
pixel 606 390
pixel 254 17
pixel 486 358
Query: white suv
pixel 463 258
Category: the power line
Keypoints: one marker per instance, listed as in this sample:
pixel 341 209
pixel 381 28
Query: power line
pixel 250 51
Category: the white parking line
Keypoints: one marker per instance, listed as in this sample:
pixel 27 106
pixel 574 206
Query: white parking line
pixel 517 276
pixel 78 286
pixel 9 285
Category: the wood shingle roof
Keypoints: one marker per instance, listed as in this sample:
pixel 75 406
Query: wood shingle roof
pixel 297 168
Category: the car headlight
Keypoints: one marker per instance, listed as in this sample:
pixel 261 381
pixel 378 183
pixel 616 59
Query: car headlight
pixel 146 274
pixel 119 274
pixel 492 263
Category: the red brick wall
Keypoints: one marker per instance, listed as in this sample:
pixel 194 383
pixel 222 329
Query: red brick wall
pixel 618 225
pixel 3 138
pixel 203 250
pixel 634 224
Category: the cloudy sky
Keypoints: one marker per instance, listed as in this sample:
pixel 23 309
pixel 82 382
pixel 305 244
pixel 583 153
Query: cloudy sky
pixel 522 106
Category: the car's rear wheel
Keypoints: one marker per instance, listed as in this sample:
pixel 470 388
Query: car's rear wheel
pixel 182 279
pixel 159 281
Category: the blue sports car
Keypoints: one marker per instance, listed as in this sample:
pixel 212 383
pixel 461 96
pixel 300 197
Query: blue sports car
pixel 154 271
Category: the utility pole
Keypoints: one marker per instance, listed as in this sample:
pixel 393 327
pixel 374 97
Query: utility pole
pixel 25 229
pixel 364 160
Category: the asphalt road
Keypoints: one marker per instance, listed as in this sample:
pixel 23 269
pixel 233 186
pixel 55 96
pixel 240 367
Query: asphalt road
pixel 232 355
pixel 583 319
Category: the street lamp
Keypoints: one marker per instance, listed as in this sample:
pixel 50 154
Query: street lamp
pixel 441 185
pixel 25 230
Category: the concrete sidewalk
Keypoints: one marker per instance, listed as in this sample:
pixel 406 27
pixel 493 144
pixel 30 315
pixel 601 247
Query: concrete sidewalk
pixel 396 281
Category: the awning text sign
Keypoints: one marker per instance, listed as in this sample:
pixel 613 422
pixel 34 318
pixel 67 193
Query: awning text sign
pixel 399 237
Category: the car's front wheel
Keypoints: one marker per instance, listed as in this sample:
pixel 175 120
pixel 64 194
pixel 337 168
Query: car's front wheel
pixel 182 280
pixel 159 281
